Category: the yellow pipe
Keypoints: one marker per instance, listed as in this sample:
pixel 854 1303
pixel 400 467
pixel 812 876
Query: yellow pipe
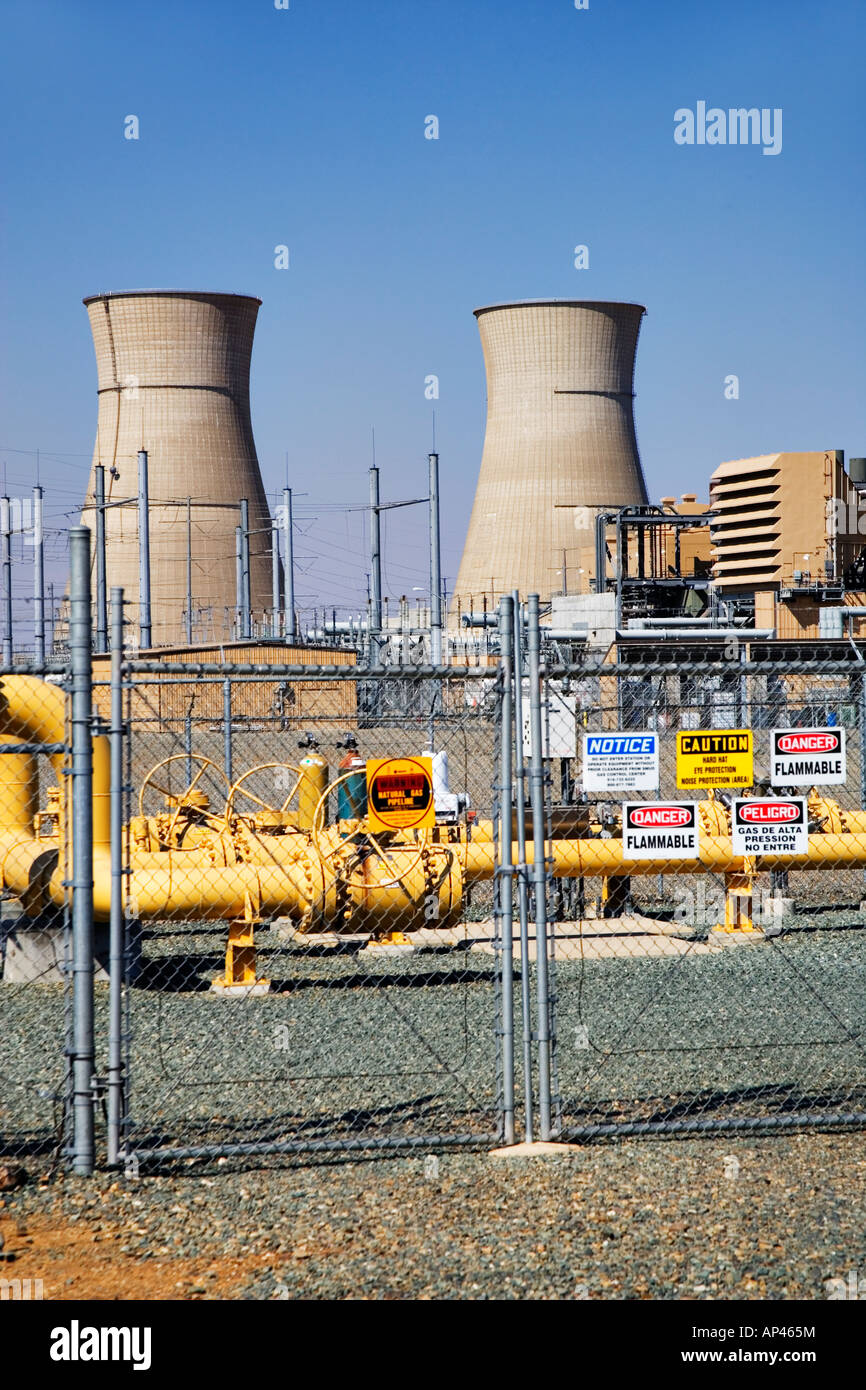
pixel 283 874
pixel 34 711
pixel 595 858
pixel 19 789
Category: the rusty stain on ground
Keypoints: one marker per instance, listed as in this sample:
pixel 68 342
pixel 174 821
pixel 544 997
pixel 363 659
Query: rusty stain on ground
pixel 74 1265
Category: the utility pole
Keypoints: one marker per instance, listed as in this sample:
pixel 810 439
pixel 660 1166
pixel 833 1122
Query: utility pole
pixel 144 626
pixel 289 567
pixel 189 570
pixel 38 578
pixel 101 593
pixel 6 529
pixel 275 581
pixel 375 568
pixel 239 578
pixel 435 565
pixel 246 626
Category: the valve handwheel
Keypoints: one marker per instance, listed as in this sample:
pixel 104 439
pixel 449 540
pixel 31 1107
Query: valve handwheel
pixel 182 799
pixel 268 807
pixel 361 843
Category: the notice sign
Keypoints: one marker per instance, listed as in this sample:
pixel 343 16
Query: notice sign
pixel 715 758
pixel 400 794
pixel 660 830
pixel 620 762
pixel 772 825
pixel 816 756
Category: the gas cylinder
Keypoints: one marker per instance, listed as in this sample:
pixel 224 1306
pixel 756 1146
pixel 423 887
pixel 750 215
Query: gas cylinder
pixel 313 782
pixel 352 794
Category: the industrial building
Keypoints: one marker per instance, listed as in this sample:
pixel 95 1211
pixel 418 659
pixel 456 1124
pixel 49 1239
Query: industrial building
pixel 174 380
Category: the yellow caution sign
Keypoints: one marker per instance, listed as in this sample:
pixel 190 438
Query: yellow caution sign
pixel 400 794
pixel 715 758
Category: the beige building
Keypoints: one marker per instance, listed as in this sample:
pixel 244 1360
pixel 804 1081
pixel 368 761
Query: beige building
pixel 782 521
pixel 560 444
pixel 173 378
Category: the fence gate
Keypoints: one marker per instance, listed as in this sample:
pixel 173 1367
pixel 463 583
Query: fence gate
pixel 313 957
pixel 699 981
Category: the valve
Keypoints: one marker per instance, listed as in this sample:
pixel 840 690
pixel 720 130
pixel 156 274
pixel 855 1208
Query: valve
pixel 190 807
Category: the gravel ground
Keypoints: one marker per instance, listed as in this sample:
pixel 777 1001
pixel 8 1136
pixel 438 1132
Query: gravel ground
pixel 350 1045
pixel 770 1218
pixel 404 1044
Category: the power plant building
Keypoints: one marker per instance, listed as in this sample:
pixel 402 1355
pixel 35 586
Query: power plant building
pixel 560 444
pixel 173 379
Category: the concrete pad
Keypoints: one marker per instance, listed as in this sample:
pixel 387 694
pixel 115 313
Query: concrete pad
pixel 33 953
pixel 719 938
pixel 431 938
pixel 778 907
pixel 329 939
pixel 538 1149
pixel 600 940
pixel 239 991
pixel 389 948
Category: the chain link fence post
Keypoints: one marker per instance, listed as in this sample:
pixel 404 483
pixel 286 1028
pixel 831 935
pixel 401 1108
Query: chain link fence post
pixel 82 852
pixel 117 944
pixel 536 788
pixel 522 873
pixel 505 869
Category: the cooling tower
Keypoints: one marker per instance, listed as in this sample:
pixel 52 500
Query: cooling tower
pixel 173 378
pixel 560 443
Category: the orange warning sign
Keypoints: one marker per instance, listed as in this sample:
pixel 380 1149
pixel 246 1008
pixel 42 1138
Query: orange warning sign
pixel 400 794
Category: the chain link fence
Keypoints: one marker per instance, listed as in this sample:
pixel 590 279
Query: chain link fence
pixel 36 959
pixel 313 961
pixel 255 910
pixel 705 844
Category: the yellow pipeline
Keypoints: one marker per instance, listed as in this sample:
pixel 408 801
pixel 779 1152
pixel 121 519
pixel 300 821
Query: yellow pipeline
pixel 34 711
pixel 283 874
pixel 595 858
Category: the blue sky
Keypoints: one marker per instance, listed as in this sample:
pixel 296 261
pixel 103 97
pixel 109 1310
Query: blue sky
pixel 305 127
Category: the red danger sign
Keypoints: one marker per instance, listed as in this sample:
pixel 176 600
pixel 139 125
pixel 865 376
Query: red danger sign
pixel 807 757
pixel 660 815
pixel 660 830
pixel 810 742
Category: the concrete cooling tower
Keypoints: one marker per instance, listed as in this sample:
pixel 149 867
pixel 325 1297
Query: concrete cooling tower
pixel 560 444
pixel 173 378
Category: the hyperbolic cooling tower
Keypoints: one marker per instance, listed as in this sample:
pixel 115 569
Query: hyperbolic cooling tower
pixel 560 442
pixel 173 378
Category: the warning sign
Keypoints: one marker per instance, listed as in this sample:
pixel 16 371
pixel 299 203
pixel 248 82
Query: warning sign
pixel 400 793
pixel 620 762
pixel 660 830
pixel 816 756
pixel 715 758
pixel 772 825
